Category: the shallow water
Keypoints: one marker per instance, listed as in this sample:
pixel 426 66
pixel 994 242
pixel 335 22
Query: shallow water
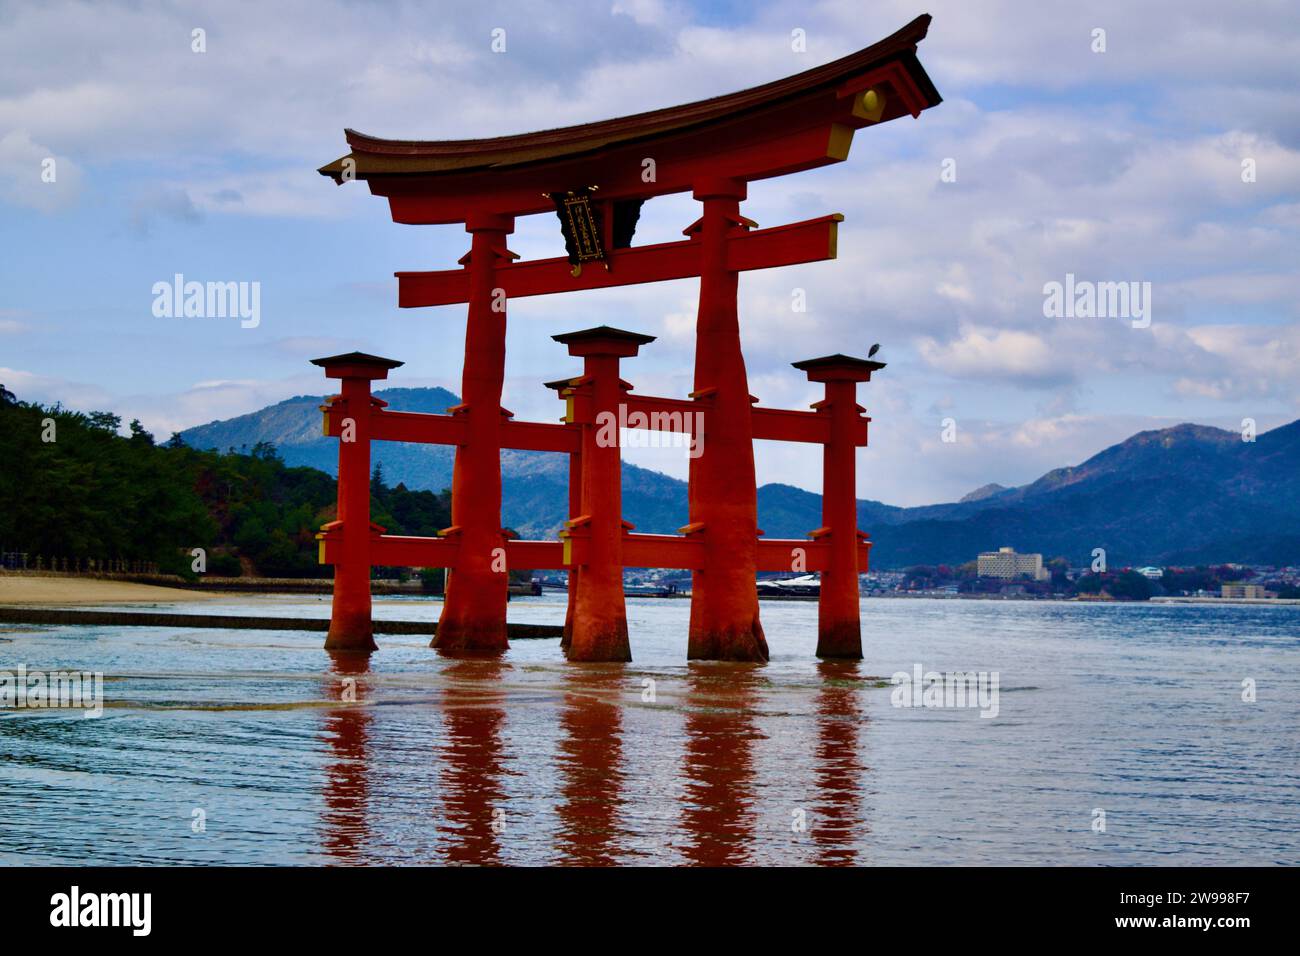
pixel 1136 710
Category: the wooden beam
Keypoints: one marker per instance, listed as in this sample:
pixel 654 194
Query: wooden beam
pixel 419 552
pixel 421 427
pixel 533 555
pixel 639 551
pixel 662 551
pixel 432 429
pixel 810 241
pixel 540 436
pixel 663 414
pixel 780 424
pixel 775 554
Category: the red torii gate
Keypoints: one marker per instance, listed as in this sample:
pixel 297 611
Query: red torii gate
pixel 713 148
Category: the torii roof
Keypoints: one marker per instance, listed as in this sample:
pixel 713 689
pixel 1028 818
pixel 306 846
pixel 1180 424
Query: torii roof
pixel 891 63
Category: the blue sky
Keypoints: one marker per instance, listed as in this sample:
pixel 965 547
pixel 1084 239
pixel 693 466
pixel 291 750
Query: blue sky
pixel 1123 165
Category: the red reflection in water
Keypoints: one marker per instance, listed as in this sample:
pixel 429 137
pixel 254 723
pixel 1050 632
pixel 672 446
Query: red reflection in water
pixel 590 757
pixel 718 799
pixel 346 785
pixel 473 761
pixel 839 770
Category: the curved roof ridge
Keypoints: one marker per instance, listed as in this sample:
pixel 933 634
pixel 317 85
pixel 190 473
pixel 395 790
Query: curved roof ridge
pixel 901 42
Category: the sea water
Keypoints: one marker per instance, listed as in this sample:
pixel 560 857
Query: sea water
pixel 1124 734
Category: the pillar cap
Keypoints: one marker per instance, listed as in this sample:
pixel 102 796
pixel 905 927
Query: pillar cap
pixel 603 340
pixel 838 368
pixel 356 365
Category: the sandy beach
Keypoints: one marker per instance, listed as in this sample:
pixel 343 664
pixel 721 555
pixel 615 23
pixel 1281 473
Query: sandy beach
pixel 38 589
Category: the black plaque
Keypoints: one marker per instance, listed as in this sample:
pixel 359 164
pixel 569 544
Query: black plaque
pixel 582 224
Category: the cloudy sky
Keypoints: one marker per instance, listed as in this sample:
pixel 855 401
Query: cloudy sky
pixel 1128 165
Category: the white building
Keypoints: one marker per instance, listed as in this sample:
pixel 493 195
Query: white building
pixel 1007 563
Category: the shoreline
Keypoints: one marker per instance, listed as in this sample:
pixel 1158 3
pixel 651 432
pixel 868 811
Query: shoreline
pixel 59 589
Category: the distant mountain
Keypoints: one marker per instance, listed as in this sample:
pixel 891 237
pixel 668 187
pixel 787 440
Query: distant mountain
pixel 534 484
pixel 1187 494
pixel 982 492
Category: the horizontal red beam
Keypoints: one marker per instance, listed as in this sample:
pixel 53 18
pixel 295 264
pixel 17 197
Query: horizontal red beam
pixel 662 414
pixel 400 551
pixel 784 424
pixel 779 424
pixel 810 241
pixel 658 414
pixel 419 427
pixel 430 429
pixel 410 552
pixel 678 415
pixel 532 555
pixel 794 556
pixel 540 436
pixel 662 551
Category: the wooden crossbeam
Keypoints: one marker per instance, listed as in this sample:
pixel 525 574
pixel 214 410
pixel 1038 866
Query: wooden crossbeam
pixel 780 424
pixel 792 555
pixel 391 550
pixel 810 241
pixel 535 555
pixel 432 429
pixel 401 551
pixel 784 424
pixel 773 424
pixel 775 554
pixel 659 414
pixel 540 436
pixel 662 551
pixel 418 427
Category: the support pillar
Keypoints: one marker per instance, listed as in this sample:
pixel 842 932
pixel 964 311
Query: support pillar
pixel 473 615
pixel 839 625
pixel 351 628
pixel 564 391
pixel 599 625
pixel 723 494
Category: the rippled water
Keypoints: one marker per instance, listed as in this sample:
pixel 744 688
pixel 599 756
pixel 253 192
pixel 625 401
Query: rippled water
pixel 1132 709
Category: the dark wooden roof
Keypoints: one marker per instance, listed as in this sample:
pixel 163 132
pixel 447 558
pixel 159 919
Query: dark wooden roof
pixel 603 332
pixel 374 155
pixel 838 361
pixel 357 358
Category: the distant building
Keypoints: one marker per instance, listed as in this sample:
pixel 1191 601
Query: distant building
pixel 1248 591
pixel 1008 564
pixel 1155 574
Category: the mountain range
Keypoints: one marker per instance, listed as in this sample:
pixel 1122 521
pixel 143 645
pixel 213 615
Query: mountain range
pixel 1189 494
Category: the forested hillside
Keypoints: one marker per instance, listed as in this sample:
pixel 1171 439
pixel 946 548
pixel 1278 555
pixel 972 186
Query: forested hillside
pixel 72 488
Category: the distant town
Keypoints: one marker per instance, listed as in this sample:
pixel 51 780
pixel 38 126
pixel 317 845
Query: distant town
pixel 1007 573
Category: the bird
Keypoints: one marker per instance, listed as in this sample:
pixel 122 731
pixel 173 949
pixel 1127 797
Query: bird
pixel 874 349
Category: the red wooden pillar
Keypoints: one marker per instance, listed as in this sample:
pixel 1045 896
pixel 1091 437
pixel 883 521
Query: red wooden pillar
pixel 474 608
pixel 599 627
pixel 564 390
pixel 350 624
pixel 839 625
pixel 723 496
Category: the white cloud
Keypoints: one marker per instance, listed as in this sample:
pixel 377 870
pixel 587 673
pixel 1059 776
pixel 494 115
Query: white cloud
pixel 993 354
pixel 1061 168
pixel 34 175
